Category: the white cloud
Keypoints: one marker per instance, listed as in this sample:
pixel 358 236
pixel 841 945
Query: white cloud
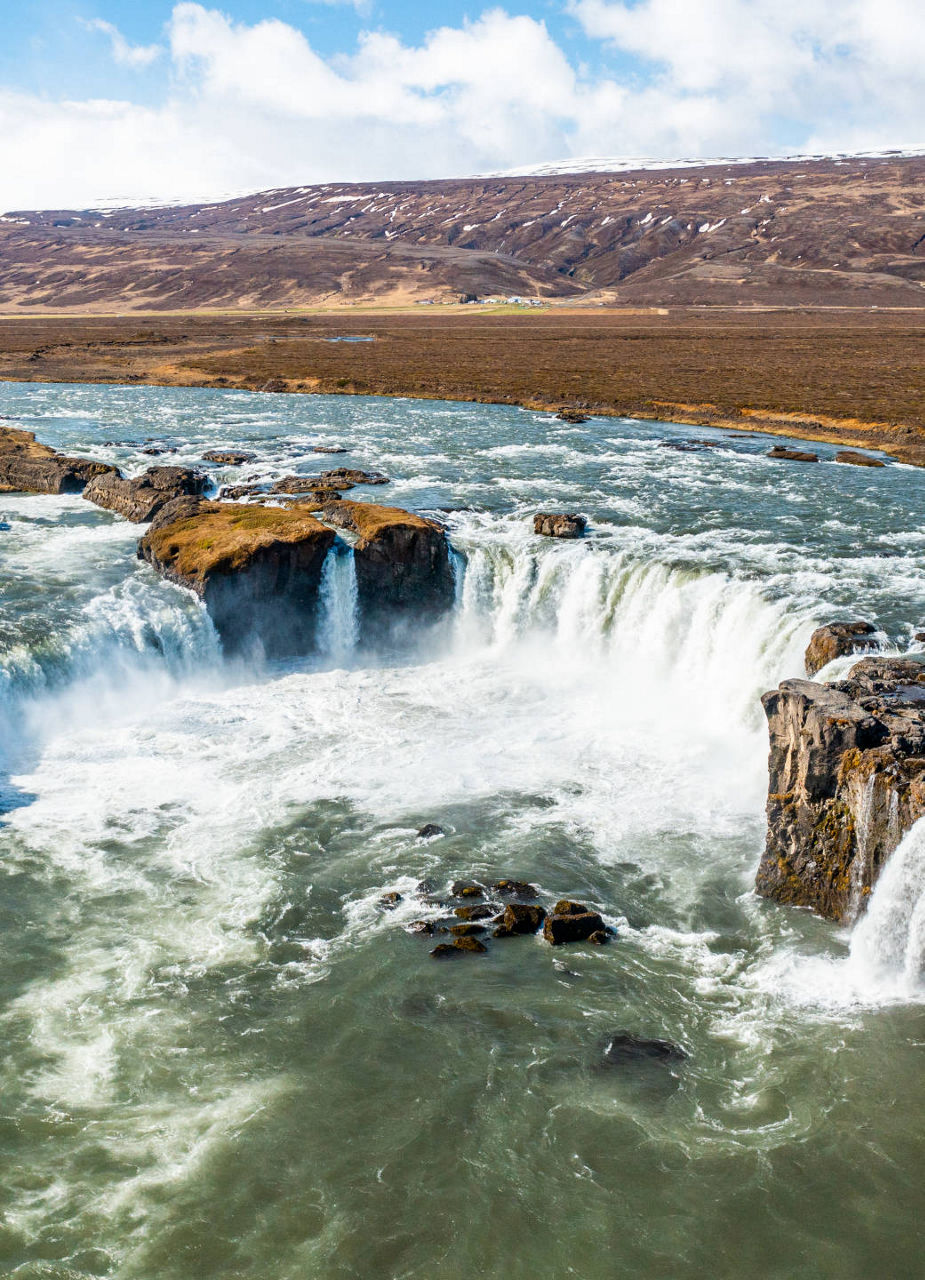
pixel 127 55
pixel 254 105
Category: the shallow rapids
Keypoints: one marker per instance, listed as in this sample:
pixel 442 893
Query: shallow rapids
pixel 224 1057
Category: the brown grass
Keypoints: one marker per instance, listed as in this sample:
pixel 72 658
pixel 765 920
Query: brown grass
pixel 223 537
pixel 853 377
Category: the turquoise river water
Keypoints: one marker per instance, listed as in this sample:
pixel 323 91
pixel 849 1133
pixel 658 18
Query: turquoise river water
pixel 224 1058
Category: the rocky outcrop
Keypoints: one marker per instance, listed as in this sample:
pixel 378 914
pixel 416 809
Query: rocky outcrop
pixel 228 457
pixel 791 455
pixel 558 524
pixel 308 484
pixel 835 640
pixel 141 498
pixel 403 571
pixel 847 780
pixel 29 467
pixel 257 569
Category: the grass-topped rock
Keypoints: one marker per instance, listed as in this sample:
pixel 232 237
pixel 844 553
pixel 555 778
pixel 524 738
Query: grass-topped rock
pixel 258 569
pixel 27 466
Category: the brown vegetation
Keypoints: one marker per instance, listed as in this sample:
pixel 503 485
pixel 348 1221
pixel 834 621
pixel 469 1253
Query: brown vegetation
pixel 845 377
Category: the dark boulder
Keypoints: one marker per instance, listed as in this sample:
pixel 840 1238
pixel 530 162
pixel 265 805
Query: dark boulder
pixel 231 492
pixel 570 922
pixel 791 455
pixel 558 524
pixel 572 415
pixel 29 467
pixel 228 457
pixel 426 928
pixel 390 900
pixel 308 484
pixel 519 917
pixel 257 569
pixel 835 640
pixel 429 831
pixel 624 1048
pixel 346 477
pixel 141 498
pixel 328 448
pixel 480 912
pixel 467 930
pixel 467 889
pixel 514 889
pixel 600 937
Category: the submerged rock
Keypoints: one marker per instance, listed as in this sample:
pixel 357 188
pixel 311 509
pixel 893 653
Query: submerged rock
pixel 446 950
pixel 257 569
pixel 835 640
pixel 558 524
pixel 328 448
pixel 467 930
pixel 140 499
pixel 29 467
pixel 429 831
pixel 575 416
pixel 390 900
pixel 847 780
pixel 855 459
pixel 624 1047
pixel 403 571
pixel 791 455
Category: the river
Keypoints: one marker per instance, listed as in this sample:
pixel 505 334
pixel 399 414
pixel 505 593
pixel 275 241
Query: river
pixel 225 1058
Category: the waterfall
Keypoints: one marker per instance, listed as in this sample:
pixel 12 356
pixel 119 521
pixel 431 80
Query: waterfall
pixel 337 633
pixel 888 944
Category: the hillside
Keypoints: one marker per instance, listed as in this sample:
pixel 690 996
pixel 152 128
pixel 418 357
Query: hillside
pixel 809 232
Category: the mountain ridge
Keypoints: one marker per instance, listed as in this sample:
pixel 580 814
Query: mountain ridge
pixel 796 232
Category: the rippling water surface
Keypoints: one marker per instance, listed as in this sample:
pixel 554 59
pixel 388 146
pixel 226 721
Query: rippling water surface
pixel 224 1058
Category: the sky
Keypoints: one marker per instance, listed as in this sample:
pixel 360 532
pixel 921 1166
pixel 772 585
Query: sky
pixel 132 100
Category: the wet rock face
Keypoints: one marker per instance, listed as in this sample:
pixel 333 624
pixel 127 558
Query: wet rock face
pixel 29 467
pixel 403 571
pixel 835 640
pixel 143 497
pixel 558 524
pixel 847 780
pixel 520 917
pixel 257 569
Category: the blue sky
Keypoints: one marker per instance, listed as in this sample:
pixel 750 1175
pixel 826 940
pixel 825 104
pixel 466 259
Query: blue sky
pixel 102 99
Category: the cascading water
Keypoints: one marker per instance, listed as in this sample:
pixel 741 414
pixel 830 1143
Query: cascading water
pixel 224 1054
pixel 888 943
pixel 339 618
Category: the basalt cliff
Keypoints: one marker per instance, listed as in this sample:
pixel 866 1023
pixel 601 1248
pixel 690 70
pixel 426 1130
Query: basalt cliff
pixel 847 780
